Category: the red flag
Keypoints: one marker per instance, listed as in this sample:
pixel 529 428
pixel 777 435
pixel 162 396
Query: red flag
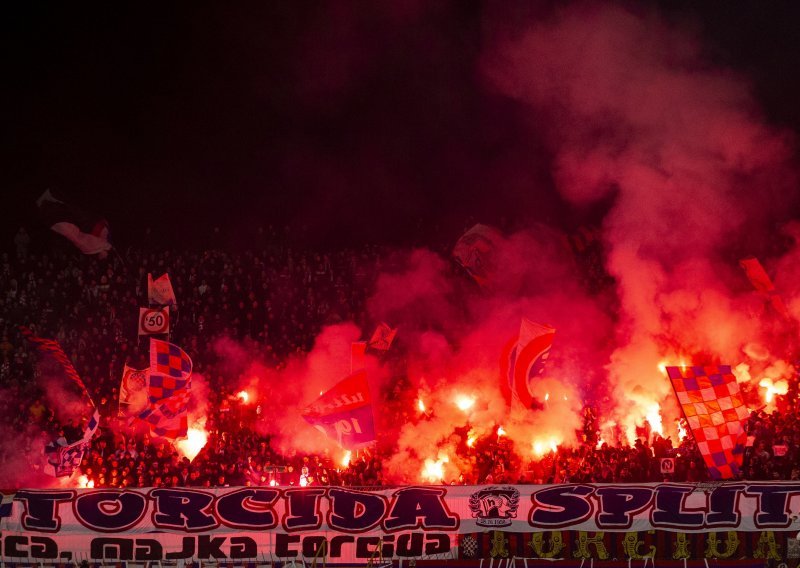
pixel 358 356
pixel 763 283
pixel 757 275
pixel 344 413
pixel 382 338
pixel 523 361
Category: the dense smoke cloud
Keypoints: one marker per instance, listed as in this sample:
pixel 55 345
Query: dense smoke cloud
pixel 634 113
pixel 643 131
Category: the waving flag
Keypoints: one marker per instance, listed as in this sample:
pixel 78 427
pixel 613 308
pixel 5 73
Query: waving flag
pixel 132 390
pixel 475 251
pixel 168 390
pixel 90 236
pixel 382 338
pixel 344 413
pixel 159 291
pixel 763 283
pixel 61 460
pixel 757 275
pixel 716 413
pixel 523 361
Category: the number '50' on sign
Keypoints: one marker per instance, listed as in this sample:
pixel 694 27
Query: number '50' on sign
pixel 153 321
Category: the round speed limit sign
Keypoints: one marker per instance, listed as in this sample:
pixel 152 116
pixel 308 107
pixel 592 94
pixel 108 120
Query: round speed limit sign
pixel 153 321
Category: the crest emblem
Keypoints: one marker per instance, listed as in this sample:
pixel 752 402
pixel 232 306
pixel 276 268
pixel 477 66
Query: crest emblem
pixel 494 506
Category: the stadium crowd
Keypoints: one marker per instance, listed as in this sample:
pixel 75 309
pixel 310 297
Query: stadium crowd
pixel 275 299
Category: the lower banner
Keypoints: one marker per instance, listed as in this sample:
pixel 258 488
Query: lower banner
pixel 341 525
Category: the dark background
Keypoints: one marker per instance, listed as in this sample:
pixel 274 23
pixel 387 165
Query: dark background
pixel 346 121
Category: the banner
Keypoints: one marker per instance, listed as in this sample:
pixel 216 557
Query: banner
pixel 153 321
pixel 339 524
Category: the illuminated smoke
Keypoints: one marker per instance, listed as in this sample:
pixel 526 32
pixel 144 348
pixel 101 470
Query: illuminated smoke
pixel 635 114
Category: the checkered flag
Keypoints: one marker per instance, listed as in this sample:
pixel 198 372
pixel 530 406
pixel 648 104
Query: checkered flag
pixel 716 413
pixel 469 546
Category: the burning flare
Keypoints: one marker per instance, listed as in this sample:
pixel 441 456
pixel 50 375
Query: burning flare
pixel 243 396
pixel 196 438
pixel 541 447
pixel 464 402
pixel 779 387
pixel 85 483
pixel 434 469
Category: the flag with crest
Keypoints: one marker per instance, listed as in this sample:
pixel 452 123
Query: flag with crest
pixel 476 253
pixel 132 390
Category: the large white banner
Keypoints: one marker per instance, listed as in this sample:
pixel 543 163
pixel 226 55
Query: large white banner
pixel 347 525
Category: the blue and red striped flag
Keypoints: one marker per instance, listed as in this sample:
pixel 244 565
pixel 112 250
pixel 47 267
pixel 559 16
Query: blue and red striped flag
pixel 62 461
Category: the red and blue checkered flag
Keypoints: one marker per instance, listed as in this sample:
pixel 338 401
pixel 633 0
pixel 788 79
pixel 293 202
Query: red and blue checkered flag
pixel 168 390
pixel 716 413
pixel 168 359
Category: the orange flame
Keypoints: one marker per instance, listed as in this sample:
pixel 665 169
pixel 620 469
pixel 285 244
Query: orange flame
pixel 682 433
pixel 346 458
pixel 464 402
pixel 85 483
pixel 653 417
pixel 421 405
pixel 243 396
pixel 541 447
pixel 196 438
pixel 779 387
pixel 434 469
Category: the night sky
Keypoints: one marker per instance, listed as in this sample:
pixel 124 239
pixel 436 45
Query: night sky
pixel 347 121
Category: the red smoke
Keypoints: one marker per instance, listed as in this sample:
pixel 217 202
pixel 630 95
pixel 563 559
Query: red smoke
pixel 642 126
